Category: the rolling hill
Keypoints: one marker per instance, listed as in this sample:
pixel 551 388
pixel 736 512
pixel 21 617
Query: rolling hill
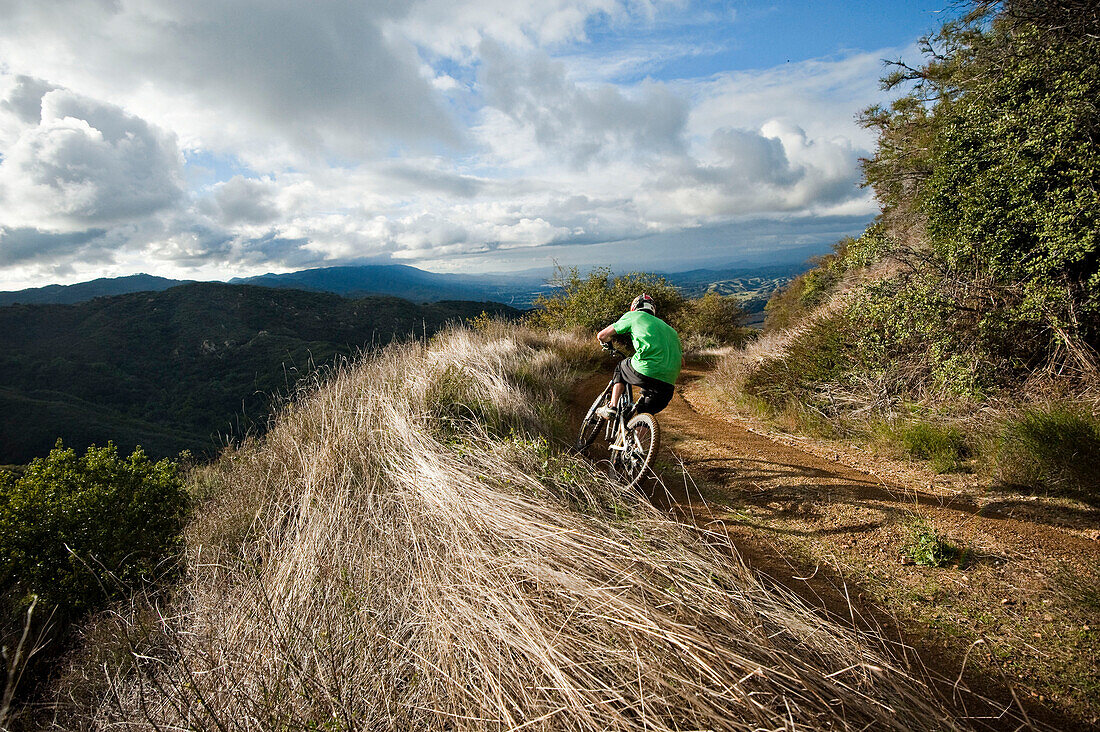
pixel 407 282
pixel 185 368
pixel 84 291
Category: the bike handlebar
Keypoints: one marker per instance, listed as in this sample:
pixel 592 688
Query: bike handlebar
pixel 611 350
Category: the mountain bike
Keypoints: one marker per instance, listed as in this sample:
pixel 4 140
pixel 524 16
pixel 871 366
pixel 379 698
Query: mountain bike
pixel 632 439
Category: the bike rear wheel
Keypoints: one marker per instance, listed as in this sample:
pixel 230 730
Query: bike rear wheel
pixel 642 441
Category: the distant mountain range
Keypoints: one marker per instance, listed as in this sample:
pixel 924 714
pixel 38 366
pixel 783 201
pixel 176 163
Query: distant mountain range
pixel 184 368
pixel 519 290
pixel 407 282
pixel 84 291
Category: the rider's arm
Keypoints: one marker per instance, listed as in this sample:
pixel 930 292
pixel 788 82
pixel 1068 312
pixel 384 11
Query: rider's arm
pixel 606 334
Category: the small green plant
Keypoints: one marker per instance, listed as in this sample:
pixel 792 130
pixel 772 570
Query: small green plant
pixel 1054 448
pixel 927 547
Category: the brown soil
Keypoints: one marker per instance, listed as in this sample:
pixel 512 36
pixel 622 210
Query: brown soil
pixel 1001 623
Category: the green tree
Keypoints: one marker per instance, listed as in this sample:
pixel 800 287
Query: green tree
pixel 713 318
pixel 991 159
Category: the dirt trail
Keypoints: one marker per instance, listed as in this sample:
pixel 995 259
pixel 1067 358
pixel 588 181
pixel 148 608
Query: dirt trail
pixel 834 535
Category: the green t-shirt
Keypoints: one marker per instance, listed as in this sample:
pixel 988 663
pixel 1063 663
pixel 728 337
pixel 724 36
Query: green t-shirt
pixel 657 352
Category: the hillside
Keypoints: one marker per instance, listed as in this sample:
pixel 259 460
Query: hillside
pixel 184 368
pixel 414 525
pixel 952 352
pixel 752 287
pixel 963 326
pixel 407 282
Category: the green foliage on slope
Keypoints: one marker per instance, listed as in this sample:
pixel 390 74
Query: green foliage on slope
pixel 986 169
pixel 1052 448
pixel 979 284
pixel 77 531
pixel 599 298
pixel 992 154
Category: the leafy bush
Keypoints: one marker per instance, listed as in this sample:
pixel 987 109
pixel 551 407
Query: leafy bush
pixel 811 289
pixel 598 299
pixel 80 531
pixel 1056 448
pixel 991 160
pixel 713 319
pixel 820 355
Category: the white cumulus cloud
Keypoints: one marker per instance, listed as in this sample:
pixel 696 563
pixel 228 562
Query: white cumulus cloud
pixel 86 163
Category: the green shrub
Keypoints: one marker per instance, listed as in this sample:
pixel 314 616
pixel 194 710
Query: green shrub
pixel 80 531
pixel 944 446
pixel 1054 448
pixel 784 308
pixel 712 319
pixel 990 158
pixel 598 299
pixel 820 355
pixel 801 295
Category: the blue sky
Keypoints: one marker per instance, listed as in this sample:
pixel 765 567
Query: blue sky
pixel 222 138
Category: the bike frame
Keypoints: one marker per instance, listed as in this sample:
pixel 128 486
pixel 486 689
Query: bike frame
pixel 615 430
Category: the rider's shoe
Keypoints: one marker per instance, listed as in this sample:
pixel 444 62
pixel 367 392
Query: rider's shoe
pixel 607 412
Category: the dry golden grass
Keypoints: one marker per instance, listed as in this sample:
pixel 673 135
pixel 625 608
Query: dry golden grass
pixel 403 551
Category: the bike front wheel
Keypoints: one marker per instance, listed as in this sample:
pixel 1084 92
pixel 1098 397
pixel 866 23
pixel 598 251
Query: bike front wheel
pixel 592 423
pixel 642 441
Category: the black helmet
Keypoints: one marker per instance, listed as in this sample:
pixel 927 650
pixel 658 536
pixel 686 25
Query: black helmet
pixel 644 302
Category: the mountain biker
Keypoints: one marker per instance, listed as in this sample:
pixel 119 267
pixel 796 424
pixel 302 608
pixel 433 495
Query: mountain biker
pixel 656 361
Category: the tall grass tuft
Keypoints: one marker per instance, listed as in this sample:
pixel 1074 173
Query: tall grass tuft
pixel 1054 448
pixel 945 446
pixel 395 554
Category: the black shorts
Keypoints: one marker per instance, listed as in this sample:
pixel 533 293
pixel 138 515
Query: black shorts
pixel 656 394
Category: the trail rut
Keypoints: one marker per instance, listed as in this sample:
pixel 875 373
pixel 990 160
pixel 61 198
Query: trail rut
pixel 834 535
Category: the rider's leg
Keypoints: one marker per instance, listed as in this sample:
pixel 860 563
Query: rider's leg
pixel 616 393
pixel 617 382
pixel 607 411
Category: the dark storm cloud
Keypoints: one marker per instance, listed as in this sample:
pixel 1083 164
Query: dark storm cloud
pixel 25 99
pixel 28 245
pixel 243 200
